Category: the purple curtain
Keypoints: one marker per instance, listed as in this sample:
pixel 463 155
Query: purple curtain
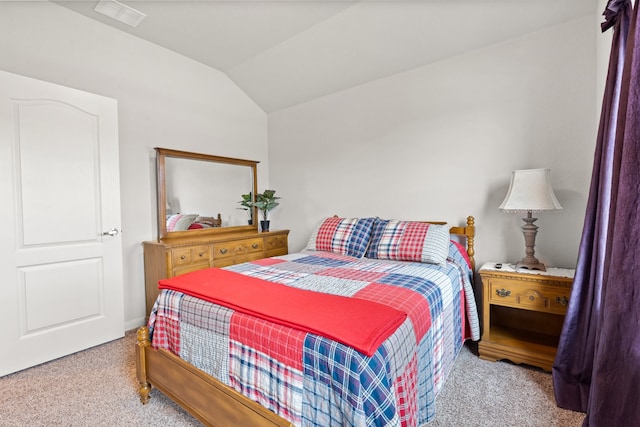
pixel 597 366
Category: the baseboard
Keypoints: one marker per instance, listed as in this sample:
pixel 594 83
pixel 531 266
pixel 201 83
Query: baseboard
pixel 134 323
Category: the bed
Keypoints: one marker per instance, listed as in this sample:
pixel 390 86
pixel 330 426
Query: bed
pixel 233 364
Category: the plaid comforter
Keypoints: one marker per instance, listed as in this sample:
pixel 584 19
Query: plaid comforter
pixel 314 381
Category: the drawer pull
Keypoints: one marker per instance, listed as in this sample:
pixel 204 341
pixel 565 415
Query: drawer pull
pixel 254 246
pixel 503 292
pixel 183 257
pixel 562 300
pixel 531 297
pixel 223 250
pixel 201 254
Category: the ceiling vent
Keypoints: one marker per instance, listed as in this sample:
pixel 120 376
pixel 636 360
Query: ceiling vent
pixel 120 12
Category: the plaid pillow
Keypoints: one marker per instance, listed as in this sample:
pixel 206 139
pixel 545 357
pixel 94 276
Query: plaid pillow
pixel 180 222
pixel 409 241
pixel 345 236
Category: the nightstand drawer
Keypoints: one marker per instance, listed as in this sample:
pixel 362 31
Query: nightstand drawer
pixel 529 296
pixel 234 249
pixel 191 255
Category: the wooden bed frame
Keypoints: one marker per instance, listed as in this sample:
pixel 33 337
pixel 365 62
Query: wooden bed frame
pixel 206 398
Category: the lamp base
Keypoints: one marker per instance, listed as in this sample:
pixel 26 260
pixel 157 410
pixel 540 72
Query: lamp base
pixel 529 229
pixel 529 264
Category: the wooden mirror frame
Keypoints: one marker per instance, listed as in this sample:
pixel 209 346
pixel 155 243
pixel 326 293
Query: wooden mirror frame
pixel 161 155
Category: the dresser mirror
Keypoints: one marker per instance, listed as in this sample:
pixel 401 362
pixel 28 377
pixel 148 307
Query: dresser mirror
pixel 199 193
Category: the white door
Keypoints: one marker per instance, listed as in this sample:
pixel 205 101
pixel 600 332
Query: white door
pixel 61 287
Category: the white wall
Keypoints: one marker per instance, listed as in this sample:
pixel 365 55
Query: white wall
pixel 397 147
pixel 440 142
pixel 603 47
pixel 164 100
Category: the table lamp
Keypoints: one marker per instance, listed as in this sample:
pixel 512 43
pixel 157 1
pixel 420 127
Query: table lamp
pixel 530 191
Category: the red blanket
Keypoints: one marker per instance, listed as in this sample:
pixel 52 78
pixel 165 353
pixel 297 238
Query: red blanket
pixel 358 323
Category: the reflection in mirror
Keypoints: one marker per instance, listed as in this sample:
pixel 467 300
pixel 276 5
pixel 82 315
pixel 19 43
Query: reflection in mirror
pixel 200 193
pixel 206 189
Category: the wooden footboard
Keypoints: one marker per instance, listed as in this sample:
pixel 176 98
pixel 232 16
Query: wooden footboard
pixel 204 397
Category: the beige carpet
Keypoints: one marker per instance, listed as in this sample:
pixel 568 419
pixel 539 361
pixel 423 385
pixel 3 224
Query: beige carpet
pixel 97 387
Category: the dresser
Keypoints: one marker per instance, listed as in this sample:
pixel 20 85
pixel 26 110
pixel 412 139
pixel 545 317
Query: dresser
pixel 523 313
pixel 174 256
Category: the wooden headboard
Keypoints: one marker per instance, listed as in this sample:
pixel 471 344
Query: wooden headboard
pixel 468 232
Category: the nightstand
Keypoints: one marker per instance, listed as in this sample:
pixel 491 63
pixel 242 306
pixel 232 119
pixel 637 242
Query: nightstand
pixel 523 312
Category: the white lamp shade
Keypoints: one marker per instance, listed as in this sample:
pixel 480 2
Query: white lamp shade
pixel 530 190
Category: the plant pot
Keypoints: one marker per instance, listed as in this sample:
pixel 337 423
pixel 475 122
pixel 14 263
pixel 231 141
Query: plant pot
pixel 250 221
pixel 264 225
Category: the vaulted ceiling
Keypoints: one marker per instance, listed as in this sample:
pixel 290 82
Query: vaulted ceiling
pixel 285 52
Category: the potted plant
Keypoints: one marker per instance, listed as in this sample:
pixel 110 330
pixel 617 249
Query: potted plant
pixel 247 205
pixel 266 201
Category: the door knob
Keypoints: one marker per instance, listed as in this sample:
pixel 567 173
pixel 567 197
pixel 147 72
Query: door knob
pixel 113 232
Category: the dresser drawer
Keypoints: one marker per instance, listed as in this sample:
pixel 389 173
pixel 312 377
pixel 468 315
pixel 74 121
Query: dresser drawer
pixel 191 255
pixel 238 248
pixel 238 259
pixel 529 295
pixel 190 252
pixel 276 245
pixel 184 269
